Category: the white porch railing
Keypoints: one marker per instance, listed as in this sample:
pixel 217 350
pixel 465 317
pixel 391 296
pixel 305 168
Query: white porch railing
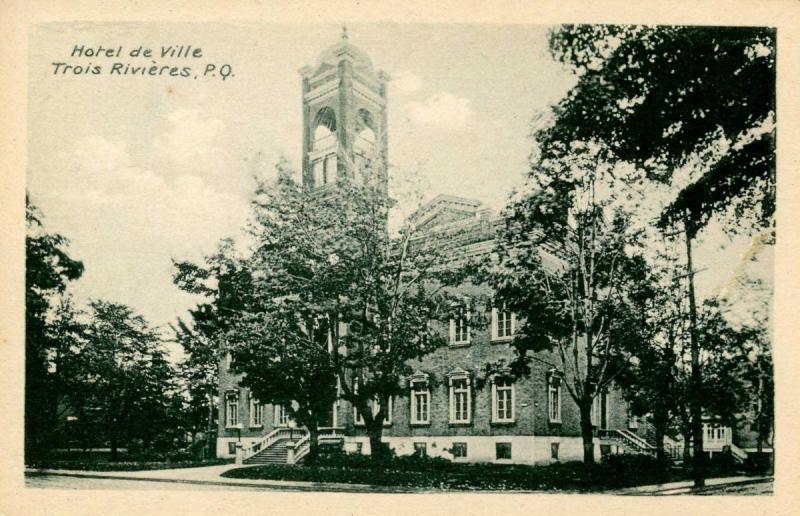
pixel 301 448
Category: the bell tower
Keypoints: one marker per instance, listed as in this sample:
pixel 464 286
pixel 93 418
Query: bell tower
pixel 344 119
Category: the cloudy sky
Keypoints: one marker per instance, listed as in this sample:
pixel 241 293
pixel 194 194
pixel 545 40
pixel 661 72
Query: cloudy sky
pixel 139 170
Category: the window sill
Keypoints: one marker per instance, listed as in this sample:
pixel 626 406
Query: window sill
pixel 501 340
pixel 420 423
pixel 555 421
pixel 256 426
pixel 459 344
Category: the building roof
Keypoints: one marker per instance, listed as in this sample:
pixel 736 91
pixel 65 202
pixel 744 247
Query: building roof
pixel 335 53
pixel 445 208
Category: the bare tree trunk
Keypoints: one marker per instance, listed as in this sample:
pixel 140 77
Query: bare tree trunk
pixel 209 428
pixel 698 462
pixel 587 432
pixel 378 449
pixel 660 426
pixel 313 443
pixel 687 449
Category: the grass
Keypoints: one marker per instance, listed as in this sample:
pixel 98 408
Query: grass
pixel 617 472
pixel 101 461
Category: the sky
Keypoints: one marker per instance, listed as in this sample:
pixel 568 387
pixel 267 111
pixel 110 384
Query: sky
pixel 137 171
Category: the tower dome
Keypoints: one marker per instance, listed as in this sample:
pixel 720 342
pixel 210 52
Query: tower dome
pixel 344 49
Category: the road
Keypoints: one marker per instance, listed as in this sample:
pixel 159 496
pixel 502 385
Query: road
pixel 158 481
pixel 45 481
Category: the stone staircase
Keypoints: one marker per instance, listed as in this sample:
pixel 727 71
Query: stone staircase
pixel 629 441
pixel 277 453
pixel 286 446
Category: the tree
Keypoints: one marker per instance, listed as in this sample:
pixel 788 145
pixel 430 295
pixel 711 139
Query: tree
pixel 219 280
pixel 678 98
pixel 336 302
pixel 567 263
pixel 666 97
pixel 48 271
pixel 199 373
pixel 654 384
pixel 128 382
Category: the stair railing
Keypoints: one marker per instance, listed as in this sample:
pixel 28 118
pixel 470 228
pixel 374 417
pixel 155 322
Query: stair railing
pixel 267 441
pixel 641 443
pixel 738 453
pixel 299 449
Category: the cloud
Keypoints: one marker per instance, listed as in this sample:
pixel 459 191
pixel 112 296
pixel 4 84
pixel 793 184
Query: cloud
pixel 193 142
pixel 405 82
pixel 129 214
pixel 441 111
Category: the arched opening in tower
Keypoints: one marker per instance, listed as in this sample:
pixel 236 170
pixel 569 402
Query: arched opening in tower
pixel 324 147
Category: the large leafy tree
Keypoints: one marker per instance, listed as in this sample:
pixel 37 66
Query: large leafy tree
pixel 568 264
pixel 223 284
pixel 667 98
pixel 48 271
pixel 127 380
pixel 336 302
pixel 691 107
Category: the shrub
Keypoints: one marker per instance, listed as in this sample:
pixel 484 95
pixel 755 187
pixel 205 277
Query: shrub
pixel 631 469
pixel 89 465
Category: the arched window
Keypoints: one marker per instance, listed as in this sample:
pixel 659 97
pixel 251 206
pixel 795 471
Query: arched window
pixel 324 129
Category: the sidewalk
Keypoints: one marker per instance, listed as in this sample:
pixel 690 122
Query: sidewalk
pixel 211 476
pixel 687 486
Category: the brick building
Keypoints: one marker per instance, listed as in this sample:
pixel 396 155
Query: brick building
pixel 450 408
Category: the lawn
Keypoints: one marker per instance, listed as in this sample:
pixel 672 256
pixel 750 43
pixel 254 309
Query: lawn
pixel 101 461
pixel 617 472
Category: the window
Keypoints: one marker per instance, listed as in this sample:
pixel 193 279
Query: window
pixel 375 405
pixel 554 399
pixel 256 412
pixel 605 450
pixel 633 421
pixel 503 322
pixel 554 450
pixel 420 403
pixel 460 399
pixel 231 409
pixel 282 417
pixel 459 450
pixel 421 449
pixel 502 451
pixel 600 410
pixel 459 329
pixel 502 400
pixel 231 448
